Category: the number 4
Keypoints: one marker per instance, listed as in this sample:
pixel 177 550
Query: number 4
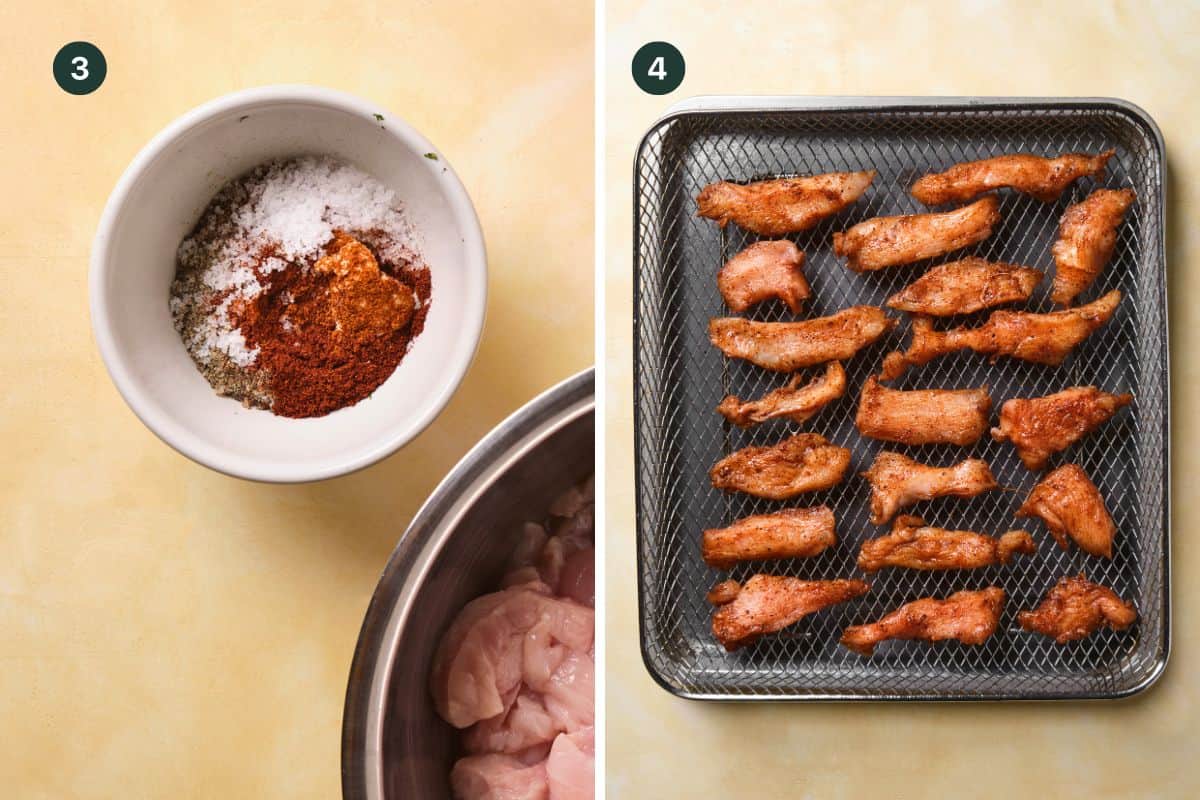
pixel 658 69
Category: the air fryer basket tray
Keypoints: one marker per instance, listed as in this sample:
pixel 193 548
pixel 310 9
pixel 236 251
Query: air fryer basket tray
pixel 680 377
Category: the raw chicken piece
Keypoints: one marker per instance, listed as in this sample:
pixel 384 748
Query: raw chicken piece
pixel 1043 178
pixel 794 402
pixel 1076 608
pixel 791 533
pixel 784 205
pixel 1087 237
pixel 789 346
pixel 571 767
pixel 1071 505
pixel 923 416
pixel 765 271
pixel 768 603
pixel 969 617
pixel 962 287
pixel 498 777
pixel 806 462
pixel 897 482
pixel 498 640
pixel 1037 338
pixel 1042 426
pixel 889 241
pixel 526 724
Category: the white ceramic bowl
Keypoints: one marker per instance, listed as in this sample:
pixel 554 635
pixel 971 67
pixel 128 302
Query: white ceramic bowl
pixel 157 202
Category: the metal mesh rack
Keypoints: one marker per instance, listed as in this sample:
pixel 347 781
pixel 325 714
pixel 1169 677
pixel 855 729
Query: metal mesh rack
pixel 680 377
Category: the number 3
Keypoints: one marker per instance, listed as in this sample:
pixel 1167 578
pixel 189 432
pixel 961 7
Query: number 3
pixel 658 69
pixel 81 68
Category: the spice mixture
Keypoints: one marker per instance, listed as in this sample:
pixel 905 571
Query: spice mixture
pixel 300 289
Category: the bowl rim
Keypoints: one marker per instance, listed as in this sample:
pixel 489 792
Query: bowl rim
pixel 392 601
pixel 200 450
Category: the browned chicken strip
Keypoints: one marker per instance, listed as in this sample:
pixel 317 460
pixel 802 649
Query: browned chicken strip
pixel 1039 338
pixel 765 271
pixel 724 592
pixel 1076 608
pixel 968 617
pixel 806 462
pixel 1043 178
pixel 793 533
pixel 782 206
pixel 794 402
pixel 1087 236
pixel 1039 427
pixel 768 603
pixel 897 482
pixel 1071 505
pixel 889 241
pixel 923 416
pixel 789 346
pixel 962 287
pixel 914 545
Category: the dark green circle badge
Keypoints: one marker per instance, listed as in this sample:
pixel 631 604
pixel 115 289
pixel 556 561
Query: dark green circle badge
pixel 79 68
pixel 658 68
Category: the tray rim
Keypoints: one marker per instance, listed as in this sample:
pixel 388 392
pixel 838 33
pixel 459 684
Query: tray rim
pixel 708 105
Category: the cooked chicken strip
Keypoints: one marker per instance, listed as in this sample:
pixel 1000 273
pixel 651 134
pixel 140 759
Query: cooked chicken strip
pixel 888 241
pixel 914 545
pixel 794 402
pixel 1043 178
pixel 789 346
pixel 1087 236
pixel 923 416
pixel 782 206
pixel 897 482
pixel 765 271
pixel 1039 427
pixel 1039 338
pixel 962 287
pixel 969 617
pixel 806 462
pixel 724 592
pixel 768 603
pixel 793 533
pixel 1076 608
pixel 1071 505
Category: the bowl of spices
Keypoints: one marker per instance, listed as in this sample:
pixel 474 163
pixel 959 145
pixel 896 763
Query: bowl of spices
pixel 288 284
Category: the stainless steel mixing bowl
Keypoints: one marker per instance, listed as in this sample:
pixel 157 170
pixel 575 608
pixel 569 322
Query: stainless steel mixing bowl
pixel 393 743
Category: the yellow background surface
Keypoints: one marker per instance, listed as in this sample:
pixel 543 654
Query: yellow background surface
pixel 660 746
pixel 166 631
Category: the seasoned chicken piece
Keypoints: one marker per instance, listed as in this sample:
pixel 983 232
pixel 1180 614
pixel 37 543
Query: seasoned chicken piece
pixel 789 346
pixel 923 416
pixel 1076 608
pixel 806 462
pixel 763 271
pixel 897 482
pixel 969 617
pixel 768 603
pixel 1071 505
pixel 793 533
pixel 1039 338
pixel 1043 178
pixel 888 241
pixel 914 545
pixel 962 287
pixel 1087 236
pixel 794 402
pixel 782 206
pixel 1039 427
pixel 723 592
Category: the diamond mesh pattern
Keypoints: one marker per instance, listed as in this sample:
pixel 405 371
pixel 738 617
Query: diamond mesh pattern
pixel 680 378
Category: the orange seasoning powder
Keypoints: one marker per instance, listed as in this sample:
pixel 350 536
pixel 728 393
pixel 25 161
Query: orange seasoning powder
pixel 329 335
